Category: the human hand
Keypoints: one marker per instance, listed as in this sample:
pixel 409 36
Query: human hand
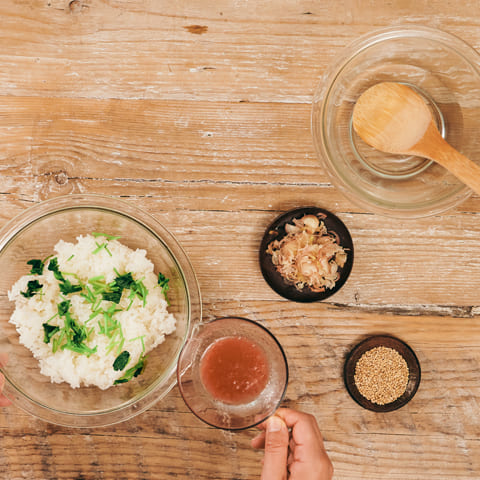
pixel 4 401
pixel 295 455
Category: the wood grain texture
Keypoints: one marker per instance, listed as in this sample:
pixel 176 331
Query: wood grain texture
pixel 199 112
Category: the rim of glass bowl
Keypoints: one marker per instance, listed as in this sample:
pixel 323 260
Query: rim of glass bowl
pixel 258 326
pixel 164 384
pixel 326 86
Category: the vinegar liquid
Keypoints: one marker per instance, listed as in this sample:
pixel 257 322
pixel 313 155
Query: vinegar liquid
pixel 234 370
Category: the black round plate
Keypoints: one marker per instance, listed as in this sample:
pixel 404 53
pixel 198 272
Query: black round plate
pixel 382 341
pixel 276 231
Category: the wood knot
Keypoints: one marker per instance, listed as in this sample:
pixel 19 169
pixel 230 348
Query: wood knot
pixel 61 177
pixel 76 6
pixel 196 29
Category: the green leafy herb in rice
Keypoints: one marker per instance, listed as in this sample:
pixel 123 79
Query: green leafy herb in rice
pixel 63 307
pixel 139 290
pixel 67 287
pixel 106 236
pixel 37 266
pixel 53 267
pixel 121 361
pixel 62 331
pixel 49 331
pixel 163 282
pixel 71 336
pixel 104 245
pixel 33 287
pixel 135 371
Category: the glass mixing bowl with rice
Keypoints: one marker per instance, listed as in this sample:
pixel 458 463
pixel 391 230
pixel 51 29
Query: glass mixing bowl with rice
pixel 92 333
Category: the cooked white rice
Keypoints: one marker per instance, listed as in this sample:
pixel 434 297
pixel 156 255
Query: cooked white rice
pixel 151 321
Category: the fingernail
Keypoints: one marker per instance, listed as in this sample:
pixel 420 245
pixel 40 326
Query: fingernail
pixel 274 424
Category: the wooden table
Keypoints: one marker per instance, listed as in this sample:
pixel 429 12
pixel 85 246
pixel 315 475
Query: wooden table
pixel 198 111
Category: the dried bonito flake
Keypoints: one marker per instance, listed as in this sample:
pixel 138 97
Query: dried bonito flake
pixel 308 255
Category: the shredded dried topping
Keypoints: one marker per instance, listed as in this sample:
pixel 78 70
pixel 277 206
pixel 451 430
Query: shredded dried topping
pixel 308 255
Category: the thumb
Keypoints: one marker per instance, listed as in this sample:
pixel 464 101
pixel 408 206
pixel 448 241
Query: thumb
pixel 276 450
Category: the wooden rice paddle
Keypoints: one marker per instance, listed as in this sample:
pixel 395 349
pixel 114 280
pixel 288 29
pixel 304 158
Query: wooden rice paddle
pixel 393 118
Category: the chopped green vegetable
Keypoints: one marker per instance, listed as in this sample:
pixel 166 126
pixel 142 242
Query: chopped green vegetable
pixel 37 266
pixel 135 371
pixel 121 361
pixel 123 281
pixel 76 335
pixel 94 314
pixel 110 324
pixel 139 367
pixel 98 278
pixel 71 336
pixel 111 327
pixel 88 295
pixel 63 307
pixel 98 284
pixel 49 332
pixel 51 318
pixel 33 286
pixel 67 287
pixel 53 267
pixel 57 341
pixel 117 342
pixel 90 331
pixel 142 339
pixel 82 349
pixel 140 290
pixel 163 282
pixel 105 235
pixel 113 296
pixel 77 332
pixel 102 246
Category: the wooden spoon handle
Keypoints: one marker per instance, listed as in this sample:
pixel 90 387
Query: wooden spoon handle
pixel 440 151
pixel 462 167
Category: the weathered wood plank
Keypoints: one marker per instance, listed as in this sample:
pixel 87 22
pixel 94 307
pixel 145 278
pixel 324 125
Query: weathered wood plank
pixel 429 431
pixel 238 51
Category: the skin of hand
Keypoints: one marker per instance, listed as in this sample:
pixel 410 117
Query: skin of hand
pixel 293 447
pixel 4 401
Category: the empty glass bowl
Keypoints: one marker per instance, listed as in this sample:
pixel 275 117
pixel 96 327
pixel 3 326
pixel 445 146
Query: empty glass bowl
pixel 33 234
pixel 444 70
pixel 233 373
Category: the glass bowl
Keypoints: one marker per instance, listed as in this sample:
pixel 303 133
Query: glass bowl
pixel 233 373
pixel 444 70
pixel 33 234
